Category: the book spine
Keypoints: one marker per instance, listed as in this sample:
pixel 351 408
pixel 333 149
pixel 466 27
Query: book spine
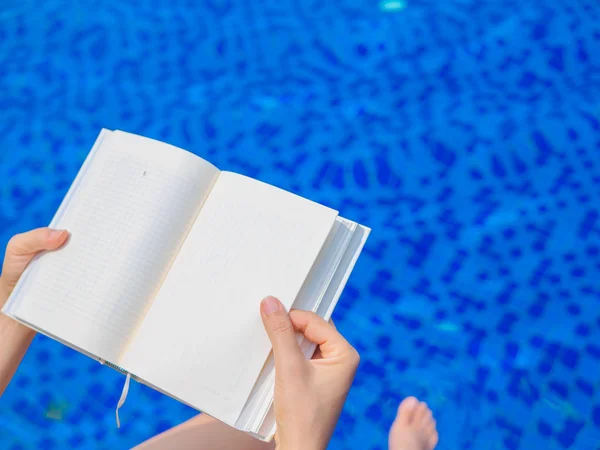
pixel 114 366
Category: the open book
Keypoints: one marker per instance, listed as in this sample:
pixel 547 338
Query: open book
pixel 167 263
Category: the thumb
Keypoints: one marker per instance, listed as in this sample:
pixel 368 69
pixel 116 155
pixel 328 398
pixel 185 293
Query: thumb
pixel 23 247
pixel 35 241
pixel 281 332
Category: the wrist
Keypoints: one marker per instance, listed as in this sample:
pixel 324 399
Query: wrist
pixel 7 324
pixel 4 294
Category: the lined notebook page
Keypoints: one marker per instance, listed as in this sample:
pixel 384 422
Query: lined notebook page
pixel 127 220
pixel 203 340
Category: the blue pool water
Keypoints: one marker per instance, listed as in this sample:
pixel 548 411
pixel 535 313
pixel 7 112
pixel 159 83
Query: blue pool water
pixel 465 133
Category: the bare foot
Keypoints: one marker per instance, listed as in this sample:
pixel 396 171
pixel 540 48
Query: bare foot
pixel 414 427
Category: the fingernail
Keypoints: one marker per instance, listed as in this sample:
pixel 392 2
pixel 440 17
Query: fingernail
pixel 270 305
pixel 56 233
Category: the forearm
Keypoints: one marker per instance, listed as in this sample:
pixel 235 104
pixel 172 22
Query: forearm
pixel 14 341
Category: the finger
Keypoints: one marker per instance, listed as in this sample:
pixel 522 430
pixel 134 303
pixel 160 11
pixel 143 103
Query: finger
pixel 330 341
pixel 281 332
pixel 35 241
pixel 332 324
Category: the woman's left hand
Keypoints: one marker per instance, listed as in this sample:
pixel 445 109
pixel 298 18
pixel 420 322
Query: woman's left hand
pixel 14 337
pixel 20 251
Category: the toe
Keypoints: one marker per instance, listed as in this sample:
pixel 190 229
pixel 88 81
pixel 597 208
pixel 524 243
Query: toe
pixel 433 440
pixel 429 429
pixel 431 425
pixel 426 418
pixel 431 433
pixel 421 412
pixel 407 408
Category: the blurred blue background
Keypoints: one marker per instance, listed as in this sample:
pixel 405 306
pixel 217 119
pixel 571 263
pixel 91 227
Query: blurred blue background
pixel 465 133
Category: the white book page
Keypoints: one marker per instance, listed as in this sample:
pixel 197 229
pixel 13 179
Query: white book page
pixel 203 340
pixel 128 218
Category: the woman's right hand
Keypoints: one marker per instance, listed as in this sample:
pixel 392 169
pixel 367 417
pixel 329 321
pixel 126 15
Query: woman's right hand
pixel 309 395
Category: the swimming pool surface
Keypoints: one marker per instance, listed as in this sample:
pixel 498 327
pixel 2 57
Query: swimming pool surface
pixel 465 133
